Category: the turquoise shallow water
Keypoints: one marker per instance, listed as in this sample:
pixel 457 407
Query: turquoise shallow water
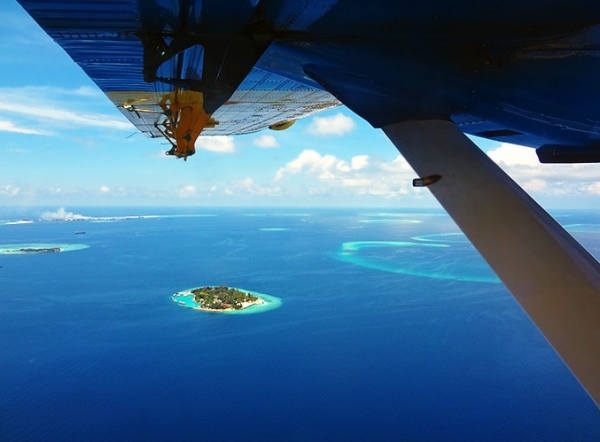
pixel 434 257
pixel 390 221
pixel 185 301
pixel 587 228
pixel 443 238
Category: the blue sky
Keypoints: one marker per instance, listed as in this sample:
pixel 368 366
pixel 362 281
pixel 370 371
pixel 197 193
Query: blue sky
pixel 62 143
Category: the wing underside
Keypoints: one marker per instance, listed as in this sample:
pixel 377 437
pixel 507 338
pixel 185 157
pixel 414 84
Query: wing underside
pixel 263 100
pixel 103 40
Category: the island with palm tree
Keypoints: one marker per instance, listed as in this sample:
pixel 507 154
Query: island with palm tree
pixel 221 298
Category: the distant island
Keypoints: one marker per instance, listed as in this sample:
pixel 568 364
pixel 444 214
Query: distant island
pixel 34 250
pixel 221 298
pixel 39 248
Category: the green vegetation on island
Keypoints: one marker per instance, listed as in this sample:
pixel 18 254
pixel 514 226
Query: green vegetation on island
pixel 223 298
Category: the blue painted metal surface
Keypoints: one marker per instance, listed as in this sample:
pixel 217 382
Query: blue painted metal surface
pixel 519 71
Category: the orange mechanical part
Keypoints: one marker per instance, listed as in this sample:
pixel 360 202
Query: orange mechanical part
pixel 186 119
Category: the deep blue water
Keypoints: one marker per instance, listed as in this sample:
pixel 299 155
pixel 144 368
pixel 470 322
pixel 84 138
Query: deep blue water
pixel 390 328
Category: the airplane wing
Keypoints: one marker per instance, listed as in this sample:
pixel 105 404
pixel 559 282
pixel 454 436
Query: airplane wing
pixel 425 72
pixel 111 53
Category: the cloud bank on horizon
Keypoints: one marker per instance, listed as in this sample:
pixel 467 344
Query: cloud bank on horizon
pixel 311 176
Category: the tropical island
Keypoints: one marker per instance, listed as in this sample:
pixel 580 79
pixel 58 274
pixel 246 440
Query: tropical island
pixel 37 248
pixel 221 298
pixel 34 250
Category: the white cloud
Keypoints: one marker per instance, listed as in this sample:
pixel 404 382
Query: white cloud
pixel 266 141
pixel 51 106
pixel 62 214
pixel 86 91
pixel 338 124
pixel 311 162
pixel 186 191
pixel 593 188
pixel 104 189
pixel 535 185
pixel 219 143
pixel 7 126
pixel 55 113
pixel 9 190
pixel 361 175
pixel 522 165
pixel 359 162
pixel 511 155
pixel 248 186
pixel 356 182
pixel 397 166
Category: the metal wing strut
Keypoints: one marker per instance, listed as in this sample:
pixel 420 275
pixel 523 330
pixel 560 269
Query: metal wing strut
pixel 550 274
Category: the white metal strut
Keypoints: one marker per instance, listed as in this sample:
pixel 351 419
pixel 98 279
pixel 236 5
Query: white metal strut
pixel 556 281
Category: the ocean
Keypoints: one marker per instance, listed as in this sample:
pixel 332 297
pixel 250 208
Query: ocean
pixel 389 327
